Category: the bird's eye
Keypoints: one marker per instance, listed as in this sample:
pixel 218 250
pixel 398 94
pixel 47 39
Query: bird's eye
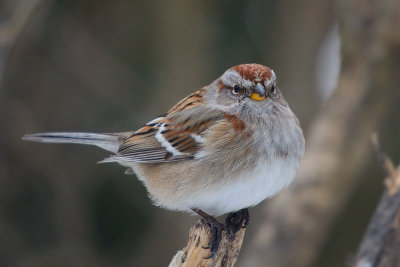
pixel 236 89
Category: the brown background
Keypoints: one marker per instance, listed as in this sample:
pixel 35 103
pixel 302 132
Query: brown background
pixel 109 66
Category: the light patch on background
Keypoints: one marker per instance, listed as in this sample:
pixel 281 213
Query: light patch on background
pixel 328 63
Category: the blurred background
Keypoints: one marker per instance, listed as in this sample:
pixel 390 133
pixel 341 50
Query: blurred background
pixel 111 66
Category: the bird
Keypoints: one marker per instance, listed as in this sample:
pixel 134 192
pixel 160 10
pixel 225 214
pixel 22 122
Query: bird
pixel 224 148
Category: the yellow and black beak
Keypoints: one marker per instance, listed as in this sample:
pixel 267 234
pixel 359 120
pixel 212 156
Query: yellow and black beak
pixel 258 92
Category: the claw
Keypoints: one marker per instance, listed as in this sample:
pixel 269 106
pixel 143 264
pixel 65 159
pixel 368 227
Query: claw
pixel 237 220
pixel 233 223
pixel 216 229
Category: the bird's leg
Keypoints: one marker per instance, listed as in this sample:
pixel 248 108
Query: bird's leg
pixel 236 220
pixel 216 231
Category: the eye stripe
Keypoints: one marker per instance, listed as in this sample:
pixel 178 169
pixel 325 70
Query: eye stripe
pixel 220 85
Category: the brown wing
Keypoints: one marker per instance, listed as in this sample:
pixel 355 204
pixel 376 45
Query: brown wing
pixel 173 137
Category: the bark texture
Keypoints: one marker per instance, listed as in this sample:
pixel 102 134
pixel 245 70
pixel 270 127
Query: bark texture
pixel 196 252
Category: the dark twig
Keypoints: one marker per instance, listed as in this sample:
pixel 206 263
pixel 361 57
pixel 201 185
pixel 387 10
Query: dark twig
pixel 385 161
pixel 381 243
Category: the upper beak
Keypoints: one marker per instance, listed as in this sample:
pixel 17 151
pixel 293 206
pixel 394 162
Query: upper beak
pixel 258 92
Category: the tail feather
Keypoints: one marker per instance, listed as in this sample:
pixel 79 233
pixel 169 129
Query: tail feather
pixel 109 142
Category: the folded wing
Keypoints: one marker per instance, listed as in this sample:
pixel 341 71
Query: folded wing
pixel 173 137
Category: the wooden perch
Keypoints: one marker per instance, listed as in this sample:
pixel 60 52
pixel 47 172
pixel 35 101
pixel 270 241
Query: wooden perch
pixel 381 243
pixel 196 251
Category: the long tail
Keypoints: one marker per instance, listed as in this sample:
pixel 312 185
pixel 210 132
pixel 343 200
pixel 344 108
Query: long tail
pixel 110 142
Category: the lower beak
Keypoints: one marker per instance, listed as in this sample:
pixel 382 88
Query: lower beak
pixel 258 93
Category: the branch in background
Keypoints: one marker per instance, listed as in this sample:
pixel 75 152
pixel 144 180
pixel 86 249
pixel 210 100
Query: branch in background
pixel 381 243
pixel 387 165
pixel 23 11
pixel 10 30
pixel 196 253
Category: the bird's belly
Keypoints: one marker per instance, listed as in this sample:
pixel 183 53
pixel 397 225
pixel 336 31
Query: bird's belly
pixel 246 190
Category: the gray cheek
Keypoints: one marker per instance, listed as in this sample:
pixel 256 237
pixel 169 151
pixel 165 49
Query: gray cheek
pixel 225 98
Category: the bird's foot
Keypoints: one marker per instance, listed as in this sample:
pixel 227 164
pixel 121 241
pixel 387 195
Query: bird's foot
pixel 237 220
pixel 216 232
pixel 233 223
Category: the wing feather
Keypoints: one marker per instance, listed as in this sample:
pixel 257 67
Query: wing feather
pixel 173 137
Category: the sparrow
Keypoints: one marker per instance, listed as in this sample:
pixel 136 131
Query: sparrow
pixel 222 149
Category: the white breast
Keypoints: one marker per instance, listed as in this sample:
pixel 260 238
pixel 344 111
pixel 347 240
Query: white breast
pixel 267 179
